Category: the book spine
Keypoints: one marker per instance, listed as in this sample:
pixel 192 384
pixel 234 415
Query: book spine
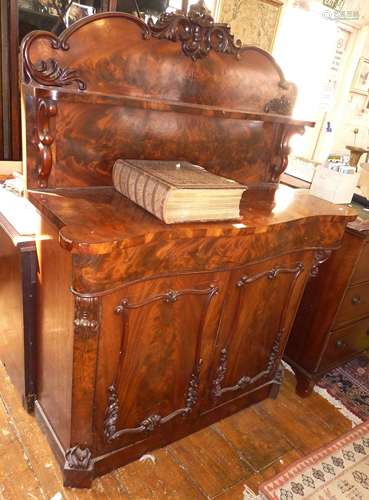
pixel 141 188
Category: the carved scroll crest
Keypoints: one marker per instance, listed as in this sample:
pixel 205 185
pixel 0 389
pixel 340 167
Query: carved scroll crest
pixel 49 72
pixel 197 32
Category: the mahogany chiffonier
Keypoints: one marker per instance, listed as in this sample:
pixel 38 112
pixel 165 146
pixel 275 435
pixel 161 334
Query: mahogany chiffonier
pixel 332 322
pixel 147 332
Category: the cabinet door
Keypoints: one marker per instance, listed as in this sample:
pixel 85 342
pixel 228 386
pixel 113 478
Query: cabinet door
pixel 261 301
pixel 156 336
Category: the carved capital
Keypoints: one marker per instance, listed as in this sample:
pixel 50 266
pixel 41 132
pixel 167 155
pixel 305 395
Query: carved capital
pixel 45 135
pixel 197 32
pixel 320 256
pixel 78 458
pixel 87 316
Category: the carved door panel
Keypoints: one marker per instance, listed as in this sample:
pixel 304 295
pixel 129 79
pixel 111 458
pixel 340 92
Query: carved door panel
pixel 261 301
pixel 156 336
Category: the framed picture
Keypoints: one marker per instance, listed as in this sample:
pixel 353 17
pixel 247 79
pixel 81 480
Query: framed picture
pixel 77 11
pixel 254 23
pixel 361 78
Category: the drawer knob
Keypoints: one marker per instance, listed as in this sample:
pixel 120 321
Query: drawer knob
pixel 340 344
pixel 356 299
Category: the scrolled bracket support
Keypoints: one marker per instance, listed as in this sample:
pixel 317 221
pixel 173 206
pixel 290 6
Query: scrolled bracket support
pixel 46 112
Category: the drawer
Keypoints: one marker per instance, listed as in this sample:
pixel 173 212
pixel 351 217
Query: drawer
pixel 355 304
pixel 345 343
pixel 362 268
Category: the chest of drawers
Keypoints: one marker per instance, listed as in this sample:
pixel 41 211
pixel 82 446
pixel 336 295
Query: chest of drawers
pixel 332 323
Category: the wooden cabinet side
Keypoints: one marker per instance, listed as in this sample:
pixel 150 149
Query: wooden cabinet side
pixel 55 336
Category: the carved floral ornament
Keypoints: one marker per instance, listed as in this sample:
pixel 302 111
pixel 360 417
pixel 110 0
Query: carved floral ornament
pixel 197 32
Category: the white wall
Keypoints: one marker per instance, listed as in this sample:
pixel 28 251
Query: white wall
pixel 306 48
pixel 354 114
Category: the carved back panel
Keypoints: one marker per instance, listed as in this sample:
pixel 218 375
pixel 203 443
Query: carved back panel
pixel 112 86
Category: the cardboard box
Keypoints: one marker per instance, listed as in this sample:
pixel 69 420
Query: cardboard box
pixel 364 180
pixel 334 186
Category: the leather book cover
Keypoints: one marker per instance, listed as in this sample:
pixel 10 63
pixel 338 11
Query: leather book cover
pixel 149 184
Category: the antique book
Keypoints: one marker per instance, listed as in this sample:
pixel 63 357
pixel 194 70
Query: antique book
pixel 178 191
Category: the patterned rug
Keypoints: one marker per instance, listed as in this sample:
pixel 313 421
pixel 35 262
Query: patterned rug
pixel 348 385
pixel 339 471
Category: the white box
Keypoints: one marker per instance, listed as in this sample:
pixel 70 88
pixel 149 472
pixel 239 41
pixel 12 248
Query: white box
pixel 364 180
pixel 334 186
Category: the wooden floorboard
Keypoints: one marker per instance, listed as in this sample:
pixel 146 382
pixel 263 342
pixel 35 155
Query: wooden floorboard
pixel 215 463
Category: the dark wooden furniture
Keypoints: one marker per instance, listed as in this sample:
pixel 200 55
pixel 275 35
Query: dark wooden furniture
pixel 332 323
pixel 146 331
pixel 18 278
pixel 20 17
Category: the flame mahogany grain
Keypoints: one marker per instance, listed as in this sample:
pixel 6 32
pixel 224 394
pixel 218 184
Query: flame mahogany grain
pixel 148 332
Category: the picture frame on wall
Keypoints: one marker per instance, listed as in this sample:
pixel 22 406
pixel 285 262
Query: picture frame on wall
pixel 360 84
pixel 254 22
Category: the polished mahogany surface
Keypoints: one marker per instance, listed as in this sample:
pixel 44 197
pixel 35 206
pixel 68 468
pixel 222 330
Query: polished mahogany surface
pixel 97 220
pixel 148 332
